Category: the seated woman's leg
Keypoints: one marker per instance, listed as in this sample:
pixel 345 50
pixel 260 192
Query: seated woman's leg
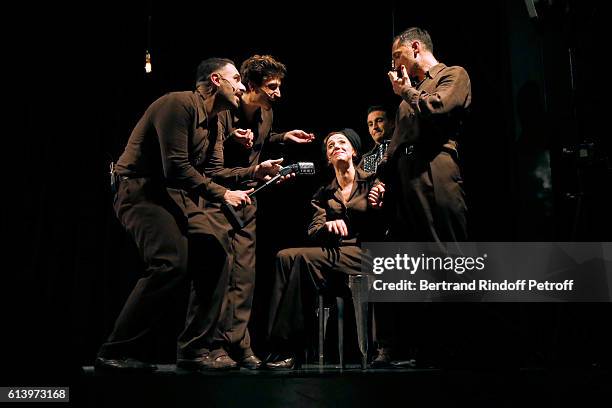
pixel 298 274
pixel 285 315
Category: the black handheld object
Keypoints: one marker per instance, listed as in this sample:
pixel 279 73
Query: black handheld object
pixel 398 70
pixel 232 216
pixel 300 169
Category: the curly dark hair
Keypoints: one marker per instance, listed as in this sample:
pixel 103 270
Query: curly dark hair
pixel 258 68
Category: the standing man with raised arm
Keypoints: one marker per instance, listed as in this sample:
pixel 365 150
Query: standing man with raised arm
pixel 424 199
pixel 425 195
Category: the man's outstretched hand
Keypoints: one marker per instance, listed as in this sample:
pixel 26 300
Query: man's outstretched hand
pixel 299 136
pixel 243 136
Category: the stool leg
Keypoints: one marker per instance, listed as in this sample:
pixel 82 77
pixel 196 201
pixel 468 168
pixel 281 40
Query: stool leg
pixel 340 304
pixel 364 353
pixel 321 330
pixel 359 287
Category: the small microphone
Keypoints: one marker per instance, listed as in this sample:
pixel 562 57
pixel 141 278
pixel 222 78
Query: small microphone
pixel 300 169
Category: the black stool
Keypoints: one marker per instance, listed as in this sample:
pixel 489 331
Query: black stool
pixel 358 290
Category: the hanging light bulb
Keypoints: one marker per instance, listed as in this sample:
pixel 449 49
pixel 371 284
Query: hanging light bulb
pixel 148 62
pixel 148 66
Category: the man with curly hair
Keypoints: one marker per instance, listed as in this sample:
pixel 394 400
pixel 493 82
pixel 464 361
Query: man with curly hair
pixel 247 133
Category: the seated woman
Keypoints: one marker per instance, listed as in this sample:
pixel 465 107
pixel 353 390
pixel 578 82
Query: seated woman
pixel 342 220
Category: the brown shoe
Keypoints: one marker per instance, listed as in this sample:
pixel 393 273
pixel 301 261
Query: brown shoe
pixel 290 362
pixel 211 361
pixel 251 363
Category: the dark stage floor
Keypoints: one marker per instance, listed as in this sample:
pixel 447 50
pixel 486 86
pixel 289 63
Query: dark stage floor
pixel 351 387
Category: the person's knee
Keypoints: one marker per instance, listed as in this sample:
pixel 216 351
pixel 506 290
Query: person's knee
pixel 288 255
pixel 286 261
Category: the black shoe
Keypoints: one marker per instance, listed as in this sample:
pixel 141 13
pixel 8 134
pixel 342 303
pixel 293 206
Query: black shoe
pixel 251 362
pixel 208 362
pixel 123 365
pixel 382 359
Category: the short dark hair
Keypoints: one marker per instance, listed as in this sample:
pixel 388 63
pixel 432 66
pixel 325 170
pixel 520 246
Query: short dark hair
pixel 415 33
pixel 207 67
pixel 378 108
pixel 389 113
pixel 259 67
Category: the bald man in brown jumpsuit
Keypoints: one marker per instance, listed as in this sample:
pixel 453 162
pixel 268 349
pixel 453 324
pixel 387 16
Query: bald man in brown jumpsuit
pixel 424 197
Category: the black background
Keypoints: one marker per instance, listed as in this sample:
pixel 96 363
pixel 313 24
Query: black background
pixel 79 76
